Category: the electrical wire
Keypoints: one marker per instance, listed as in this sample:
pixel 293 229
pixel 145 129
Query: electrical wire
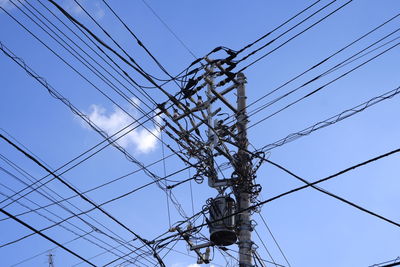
pixel 169 29
pixel 49 197
pixel 273 237
pixel 62 226
pixel 104 79
pixel 323 86
pixel 57 95
pixel 54 201
pixel 265 247
pixel 295 36
pixel 396 261
pixel 278 27
pixel 342 64
pixel 332 120
pixel 108 201
pixel 139 42
pixel 326 59
pixel 294 190
pixel 45 236
pixel 46 251
pixel 82 196
pixel 285 32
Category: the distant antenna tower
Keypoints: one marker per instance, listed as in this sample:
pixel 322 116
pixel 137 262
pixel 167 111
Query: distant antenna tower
pixel 50 258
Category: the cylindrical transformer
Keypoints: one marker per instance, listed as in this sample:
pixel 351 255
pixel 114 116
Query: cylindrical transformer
pixel 222 231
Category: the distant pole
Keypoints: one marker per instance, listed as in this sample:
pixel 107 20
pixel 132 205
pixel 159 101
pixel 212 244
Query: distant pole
pixel 243 168
pixel 50 259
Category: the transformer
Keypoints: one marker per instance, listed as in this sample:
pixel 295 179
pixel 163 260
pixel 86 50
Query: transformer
pixel 222 231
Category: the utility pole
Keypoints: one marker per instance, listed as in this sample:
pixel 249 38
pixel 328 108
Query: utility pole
pixel 200 124
pixel 50 259
pixel 243 168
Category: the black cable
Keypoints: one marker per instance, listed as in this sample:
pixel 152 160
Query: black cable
pixel 342 64
pixel 54 201
pixel 48 250
pixel 81 59
pixel 121 71
pixel 295 36
pixel 57 95
pixel 148 76
pixel 97 73
pixel 278 27
pixel 396 262
pixel 323 86
pixel 139 42
pixel 317 65
pixel 133 65
pixel 130 115
pixel 62 226
pixel 85 212
pixel 45 236
pixel 273 237
pixel 49 197
pixel 284 33
pixel 265 247
pixel 118 91
pixel 332 120
pixel 311 184
pixel 392 264
pixel 82 196
pixel 169 29
pixel 326 59
pixel 91 258
pixel 92 189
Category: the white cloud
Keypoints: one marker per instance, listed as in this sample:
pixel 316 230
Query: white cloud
pixel 143 139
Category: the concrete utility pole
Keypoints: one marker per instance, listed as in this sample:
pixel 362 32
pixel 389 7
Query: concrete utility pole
pixel 207 136
pixel 243 168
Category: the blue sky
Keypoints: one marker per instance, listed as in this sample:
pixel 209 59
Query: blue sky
pixel 311 228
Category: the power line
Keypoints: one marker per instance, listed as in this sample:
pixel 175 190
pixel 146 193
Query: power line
pixel 76 111
pixel 130 157
pixel 309 184
pixel 169 29
pixel 338 66
pixel 139 42
pixel 327 58
pixel 324 85
pixel 330 70
pixel 62 226
pixel 273 237
pixel 48 250
pixel 54 201
pixel 98 74
pixel 265 247
pixel 135 66
pixel 82 196
pixel 45 236
pixel 48 195
pixel 295 36
pixel 285 32
pixel 390 263
pixel 278 27
pixel 332 120
pixel 111 200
